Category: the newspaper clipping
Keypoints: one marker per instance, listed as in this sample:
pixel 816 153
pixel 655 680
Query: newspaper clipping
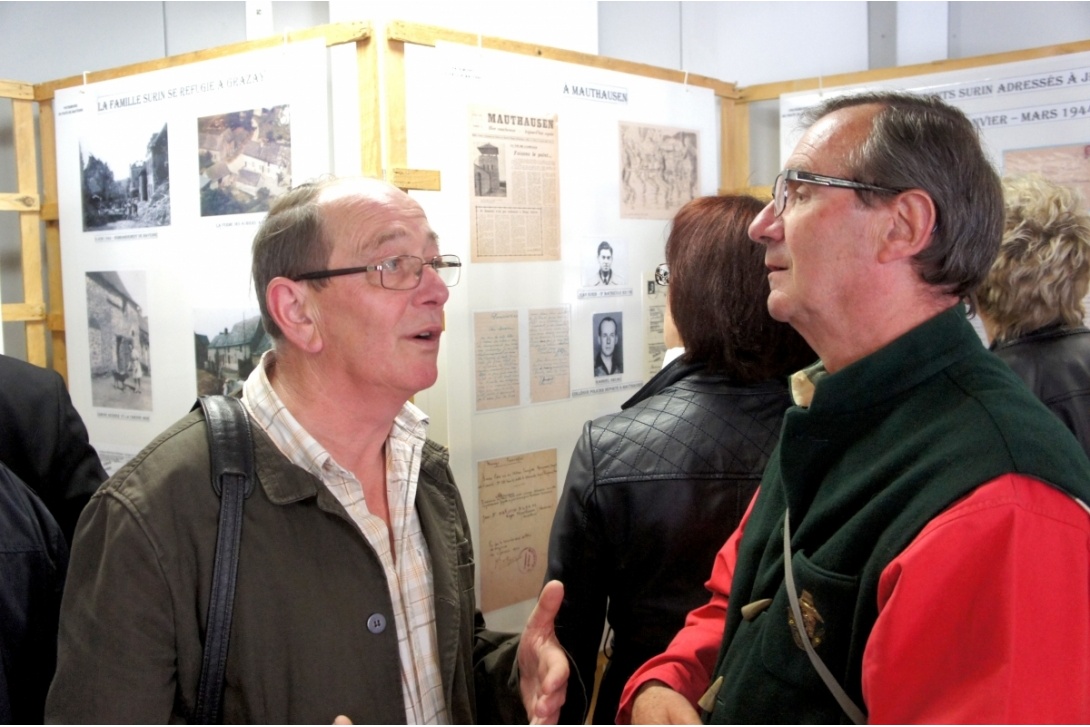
pixel 515 214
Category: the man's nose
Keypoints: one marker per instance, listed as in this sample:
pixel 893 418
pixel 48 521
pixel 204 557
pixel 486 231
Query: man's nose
pixel 766 227
pixel 432 286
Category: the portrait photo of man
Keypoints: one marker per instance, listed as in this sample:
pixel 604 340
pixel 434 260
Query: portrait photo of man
pixel 608 359
pixel 606 274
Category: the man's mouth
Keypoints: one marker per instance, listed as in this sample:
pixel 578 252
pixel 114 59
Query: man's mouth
pixel 429 334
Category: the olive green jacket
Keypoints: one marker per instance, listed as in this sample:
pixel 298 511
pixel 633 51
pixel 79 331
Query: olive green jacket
pixel 301 649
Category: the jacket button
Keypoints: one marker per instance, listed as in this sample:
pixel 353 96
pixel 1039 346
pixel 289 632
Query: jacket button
pixel 376 623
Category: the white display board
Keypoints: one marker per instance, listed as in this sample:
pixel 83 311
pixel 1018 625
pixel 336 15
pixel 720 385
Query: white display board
pixel 1033 115
pixel 163 178
pixel 541 162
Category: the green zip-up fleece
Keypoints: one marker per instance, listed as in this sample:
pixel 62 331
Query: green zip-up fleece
pixel 887 444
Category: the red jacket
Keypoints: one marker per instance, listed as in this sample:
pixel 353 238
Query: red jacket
pixel 984 617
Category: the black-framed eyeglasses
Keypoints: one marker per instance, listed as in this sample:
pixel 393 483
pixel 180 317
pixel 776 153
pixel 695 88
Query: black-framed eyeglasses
pixel 779 187
pixel 398 273
pixel 662 274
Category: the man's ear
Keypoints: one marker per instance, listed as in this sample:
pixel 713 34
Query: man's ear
pixel 913 217
pixel 291 304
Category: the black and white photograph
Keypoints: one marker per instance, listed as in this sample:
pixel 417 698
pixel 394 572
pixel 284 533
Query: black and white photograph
pixel 117 337
pixel 228 344
pixel 244 160
pixel 125 178
pixel 489 178
pixel 608 352
pixel 602 265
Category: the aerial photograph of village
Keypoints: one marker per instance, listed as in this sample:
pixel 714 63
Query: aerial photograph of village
pixel 244 160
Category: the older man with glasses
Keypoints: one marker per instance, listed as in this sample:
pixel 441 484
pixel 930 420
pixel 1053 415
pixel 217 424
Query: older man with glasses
pixel 917 551
pixel 355 592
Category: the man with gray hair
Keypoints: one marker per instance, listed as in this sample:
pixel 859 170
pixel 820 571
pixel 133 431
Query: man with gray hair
pixel 917 551
pixel 355 596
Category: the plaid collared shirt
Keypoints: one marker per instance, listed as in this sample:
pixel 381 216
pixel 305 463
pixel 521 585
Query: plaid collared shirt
pixel 408 565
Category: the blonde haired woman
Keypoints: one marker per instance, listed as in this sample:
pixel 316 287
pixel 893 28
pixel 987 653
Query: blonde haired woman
pixel 1031 303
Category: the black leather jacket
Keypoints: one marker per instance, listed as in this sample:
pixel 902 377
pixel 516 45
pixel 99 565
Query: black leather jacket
pixel 651 495
pixel 1055 364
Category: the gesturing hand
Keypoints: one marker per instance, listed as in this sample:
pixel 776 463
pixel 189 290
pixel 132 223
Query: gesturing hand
pixel 543 665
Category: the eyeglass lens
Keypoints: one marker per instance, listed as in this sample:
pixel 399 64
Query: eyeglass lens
pixel 779 194
pixel 404 272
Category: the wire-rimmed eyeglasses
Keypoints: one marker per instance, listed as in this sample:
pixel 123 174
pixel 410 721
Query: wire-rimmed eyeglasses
pixel 398 273
pixel 662 274
pixel 779 187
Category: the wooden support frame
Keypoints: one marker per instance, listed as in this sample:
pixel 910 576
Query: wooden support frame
pixel 733 145
pixel 26 202
pixel 51 218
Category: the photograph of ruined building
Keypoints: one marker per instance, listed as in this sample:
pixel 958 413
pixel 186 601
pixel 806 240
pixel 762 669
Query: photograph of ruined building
pixel 125 180
pixel 244 160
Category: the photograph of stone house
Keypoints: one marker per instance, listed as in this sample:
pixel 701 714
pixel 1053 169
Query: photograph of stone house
pixel 228 345
pixel 244 160
pixel 118 342
pixel 125 180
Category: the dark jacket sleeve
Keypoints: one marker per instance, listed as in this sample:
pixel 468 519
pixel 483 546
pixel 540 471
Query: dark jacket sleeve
pixel 44 441
pixel 579 557
pixel 77 471
pixel 116 616
pixel 33 559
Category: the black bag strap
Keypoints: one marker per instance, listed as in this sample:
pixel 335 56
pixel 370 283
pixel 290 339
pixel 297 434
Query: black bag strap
pixel 230 444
